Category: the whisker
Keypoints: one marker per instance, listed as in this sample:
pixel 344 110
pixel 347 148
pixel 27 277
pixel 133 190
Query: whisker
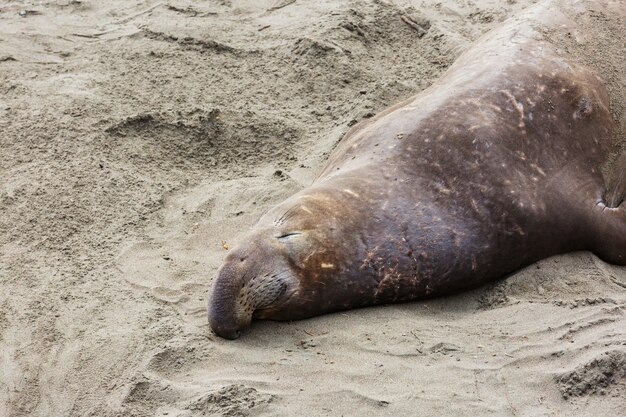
pixel 281 274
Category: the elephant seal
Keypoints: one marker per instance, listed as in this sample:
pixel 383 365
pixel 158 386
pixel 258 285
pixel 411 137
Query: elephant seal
pixel 495 166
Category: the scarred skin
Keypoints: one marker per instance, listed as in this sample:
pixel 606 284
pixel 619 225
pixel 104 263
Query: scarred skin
pixel 495 166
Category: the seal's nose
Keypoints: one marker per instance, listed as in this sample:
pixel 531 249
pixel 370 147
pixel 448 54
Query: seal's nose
pixel 223 319
pixel 224 331
pixel 224 314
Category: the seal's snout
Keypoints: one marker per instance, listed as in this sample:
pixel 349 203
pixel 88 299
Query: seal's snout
pixel 252 281
pixel 226 317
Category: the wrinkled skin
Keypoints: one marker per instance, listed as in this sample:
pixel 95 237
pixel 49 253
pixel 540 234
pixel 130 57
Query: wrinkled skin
pixel 494 167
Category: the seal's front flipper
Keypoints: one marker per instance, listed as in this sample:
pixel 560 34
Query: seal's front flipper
pixel 610 233
pixel 616 182
pixel 609 216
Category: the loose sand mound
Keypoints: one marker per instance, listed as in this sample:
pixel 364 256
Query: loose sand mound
pixel 140 139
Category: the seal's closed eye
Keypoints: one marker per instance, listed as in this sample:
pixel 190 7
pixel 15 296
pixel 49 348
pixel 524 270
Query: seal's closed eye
pixel 286 236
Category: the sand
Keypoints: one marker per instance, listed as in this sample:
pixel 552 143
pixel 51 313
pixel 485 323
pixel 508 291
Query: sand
pixel 140 140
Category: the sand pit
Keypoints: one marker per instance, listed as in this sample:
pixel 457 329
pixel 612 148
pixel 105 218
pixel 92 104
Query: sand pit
pixel 140 140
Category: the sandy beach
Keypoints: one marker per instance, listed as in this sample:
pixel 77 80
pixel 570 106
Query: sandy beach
pixel 139 141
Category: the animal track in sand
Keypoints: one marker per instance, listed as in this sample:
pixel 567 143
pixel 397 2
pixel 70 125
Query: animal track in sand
pixel 204 139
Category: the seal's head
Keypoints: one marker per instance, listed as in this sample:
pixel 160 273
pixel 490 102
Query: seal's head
pixel 255 280
pixel 293 265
